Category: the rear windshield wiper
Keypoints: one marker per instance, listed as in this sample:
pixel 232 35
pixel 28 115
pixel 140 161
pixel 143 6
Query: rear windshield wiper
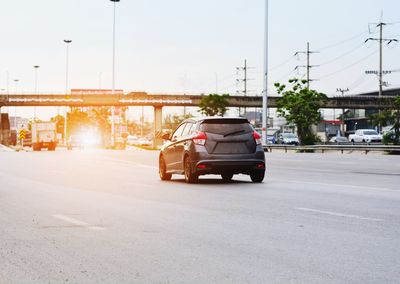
pixel 233 133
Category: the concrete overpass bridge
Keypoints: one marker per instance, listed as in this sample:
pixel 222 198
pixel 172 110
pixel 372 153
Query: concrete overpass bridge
pixel 164 100
pixel 158 101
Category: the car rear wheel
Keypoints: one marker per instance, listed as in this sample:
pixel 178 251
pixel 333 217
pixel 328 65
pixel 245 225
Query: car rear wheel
pixel 163 170
pixel 257 176
pixel 227 177
pixel 190 177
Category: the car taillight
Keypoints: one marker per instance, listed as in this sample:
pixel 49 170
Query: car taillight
pixel 200 138
pixel 260 166
pixel 257 138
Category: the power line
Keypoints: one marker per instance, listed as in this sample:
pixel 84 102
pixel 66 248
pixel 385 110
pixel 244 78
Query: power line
pixel 357 82
pixel 343 41
pixel 342 55
pixel 281 64
pixel 286 75
pixel 349 66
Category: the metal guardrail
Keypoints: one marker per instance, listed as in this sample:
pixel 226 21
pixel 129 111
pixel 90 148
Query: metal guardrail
pixel 336 147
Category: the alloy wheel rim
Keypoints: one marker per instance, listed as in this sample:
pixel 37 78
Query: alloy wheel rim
pixel 187 169
pixel 162 167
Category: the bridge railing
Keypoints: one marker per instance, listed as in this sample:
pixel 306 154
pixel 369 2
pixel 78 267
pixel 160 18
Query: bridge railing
pixel 334 147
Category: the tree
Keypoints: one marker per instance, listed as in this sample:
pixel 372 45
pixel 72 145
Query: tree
pixel 77 121
pixel 301 106
pixel 396 121
pixel 392 117
pixel 382 118
pixel 99 117
pixel 214 105
pixel 172 121
pixel 59 120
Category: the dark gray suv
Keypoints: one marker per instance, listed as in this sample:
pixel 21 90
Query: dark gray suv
pixel 224 146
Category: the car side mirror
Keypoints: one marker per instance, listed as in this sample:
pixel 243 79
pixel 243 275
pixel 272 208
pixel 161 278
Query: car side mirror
pixel 166 136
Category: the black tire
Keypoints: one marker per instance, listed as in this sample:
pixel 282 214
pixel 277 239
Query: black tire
pixel 162 170
pixel 257 176
pixel 227 177
pixel 190 177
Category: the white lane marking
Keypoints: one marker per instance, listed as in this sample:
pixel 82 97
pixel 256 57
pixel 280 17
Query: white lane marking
pixel 338 214
pixel 140 184
pixel 130 163
pixel 77 222
pixel 339 185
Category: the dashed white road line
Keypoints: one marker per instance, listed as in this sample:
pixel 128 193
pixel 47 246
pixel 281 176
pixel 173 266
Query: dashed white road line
pixel 339 185
pixel 339 214
pixel 77 222
pixel 140 184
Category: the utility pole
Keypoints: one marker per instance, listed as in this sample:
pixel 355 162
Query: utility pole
pixel 113 76
pixel 381 72
pixel 307 66
pixel 67 42
pixel 36 67
pixel 265 79
pixel 245 80
pixel 342 91
pixel 381 40
pixel 16 81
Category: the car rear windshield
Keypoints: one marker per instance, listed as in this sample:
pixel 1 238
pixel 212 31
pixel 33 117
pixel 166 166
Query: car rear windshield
pixel 226 126
pixel 370 132
pixel 289 135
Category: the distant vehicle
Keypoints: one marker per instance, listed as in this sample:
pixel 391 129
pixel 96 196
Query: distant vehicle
pixel 288 139
pixel 223 146
pixel 75 141
pixel 44 136
pixel 339 139
pixel 138 141
pixel 365 136
pixel 271 139
pixel 145 142
pixel 131 140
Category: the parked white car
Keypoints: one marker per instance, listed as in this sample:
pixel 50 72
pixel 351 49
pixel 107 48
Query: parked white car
pixel 366 136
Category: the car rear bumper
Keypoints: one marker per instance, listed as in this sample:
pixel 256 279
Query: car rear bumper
pixel 230 166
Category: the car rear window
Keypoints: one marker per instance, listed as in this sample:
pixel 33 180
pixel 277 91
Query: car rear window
pixel 225 126
pixel 370 132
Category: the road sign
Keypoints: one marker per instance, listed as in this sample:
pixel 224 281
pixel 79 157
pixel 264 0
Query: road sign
pixel 22 134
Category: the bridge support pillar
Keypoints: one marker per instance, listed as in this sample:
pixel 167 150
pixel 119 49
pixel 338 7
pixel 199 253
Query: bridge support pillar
pixel 157 140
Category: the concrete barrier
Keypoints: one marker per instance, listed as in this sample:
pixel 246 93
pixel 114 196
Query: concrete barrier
pixel 341 148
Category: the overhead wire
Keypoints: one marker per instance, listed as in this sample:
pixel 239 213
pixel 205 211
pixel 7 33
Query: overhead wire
pixel 343 41
pixel 350 65
pixel 281 64
pixel 342 55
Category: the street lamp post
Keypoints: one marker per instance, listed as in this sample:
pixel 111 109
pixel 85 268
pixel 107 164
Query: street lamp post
pixel 265 89
pixel 36 67
pixel 16 81
pixel 113 78
pixel 67 42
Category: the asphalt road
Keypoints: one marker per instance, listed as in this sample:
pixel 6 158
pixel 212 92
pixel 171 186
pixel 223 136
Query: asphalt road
pixel 99 216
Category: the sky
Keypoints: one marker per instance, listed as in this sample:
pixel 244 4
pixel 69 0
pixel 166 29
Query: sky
pixel 190 46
